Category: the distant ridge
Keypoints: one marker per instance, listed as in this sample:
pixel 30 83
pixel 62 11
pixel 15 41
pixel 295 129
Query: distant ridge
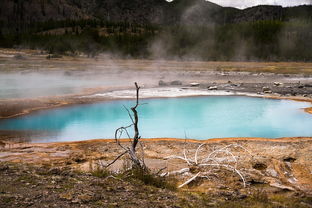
pixel 142 11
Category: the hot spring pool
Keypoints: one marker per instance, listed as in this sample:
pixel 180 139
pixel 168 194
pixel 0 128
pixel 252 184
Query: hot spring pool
pixel 196 117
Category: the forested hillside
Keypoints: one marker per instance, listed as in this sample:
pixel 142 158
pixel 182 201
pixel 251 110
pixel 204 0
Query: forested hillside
pixel 187 29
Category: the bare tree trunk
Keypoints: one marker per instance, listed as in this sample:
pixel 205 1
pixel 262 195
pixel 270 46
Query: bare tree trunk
pixel 136 137
pixel 136 161
pixel 136 120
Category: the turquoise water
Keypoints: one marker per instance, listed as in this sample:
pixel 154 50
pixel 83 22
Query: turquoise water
pixel 195 117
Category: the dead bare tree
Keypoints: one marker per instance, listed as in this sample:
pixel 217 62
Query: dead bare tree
pixel 137 162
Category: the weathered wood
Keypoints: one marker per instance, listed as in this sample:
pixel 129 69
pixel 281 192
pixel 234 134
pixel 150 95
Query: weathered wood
pixel 131 151
pixel 136 119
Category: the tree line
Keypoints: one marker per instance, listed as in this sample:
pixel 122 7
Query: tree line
pixel 260 40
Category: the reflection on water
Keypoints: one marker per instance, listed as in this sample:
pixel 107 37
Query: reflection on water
pixel 199 117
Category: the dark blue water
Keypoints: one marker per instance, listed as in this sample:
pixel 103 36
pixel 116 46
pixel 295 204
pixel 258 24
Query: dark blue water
pixel 197 117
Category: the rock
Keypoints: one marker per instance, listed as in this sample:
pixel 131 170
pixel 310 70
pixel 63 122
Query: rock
pixel 242 196
pixel 75 201
pixel 289 159
pixel 162 83
pixel 212 88
pixel 176 82
pixel 226 193
pixel 293 94
pixel 277 83
pixel 256 180
pixel 85 197
pixel 67 196
pixel 272 172
pixel 78 157
pixel 265 89
pixel 194 84
pixel 55 171
pixel 259 166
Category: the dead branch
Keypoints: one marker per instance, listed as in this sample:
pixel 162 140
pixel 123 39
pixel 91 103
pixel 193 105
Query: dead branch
pixel 177 172
pixel 160 170
pixel 129 114
pixel 117 158
pixel 189 181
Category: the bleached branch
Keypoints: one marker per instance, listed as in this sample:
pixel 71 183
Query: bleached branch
pixel 189 181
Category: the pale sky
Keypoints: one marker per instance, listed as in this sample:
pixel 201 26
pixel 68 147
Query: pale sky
pixel 249 3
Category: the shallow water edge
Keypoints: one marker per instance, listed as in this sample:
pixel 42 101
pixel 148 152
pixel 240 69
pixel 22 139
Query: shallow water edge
pixel 110 94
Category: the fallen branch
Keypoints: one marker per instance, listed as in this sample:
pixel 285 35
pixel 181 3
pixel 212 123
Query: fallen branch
pixel 189 181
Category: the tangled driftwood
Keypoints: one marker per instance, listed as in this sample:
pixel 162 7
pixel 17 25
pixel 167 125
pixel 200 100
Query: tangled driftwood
pixel 205 166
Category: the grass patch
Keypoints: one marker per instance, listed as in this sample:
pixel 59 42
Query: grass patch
pixel 101 173
pixel 139 175
pixel 260 196
pixel 152 179
pixel 26 179
pixel 7 199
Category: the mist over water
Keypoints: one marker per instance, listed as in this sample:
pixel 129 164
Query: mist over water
pixel 199 118
pixel 32 84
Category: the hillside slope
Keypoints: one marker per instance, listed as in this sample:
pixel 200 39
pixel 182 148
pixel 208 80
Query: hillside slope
pixel 139 11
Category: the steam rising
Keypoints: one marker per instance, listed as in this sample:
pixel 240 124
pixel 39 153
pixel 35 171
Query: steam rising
pixel 197 37
pixel 69 80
